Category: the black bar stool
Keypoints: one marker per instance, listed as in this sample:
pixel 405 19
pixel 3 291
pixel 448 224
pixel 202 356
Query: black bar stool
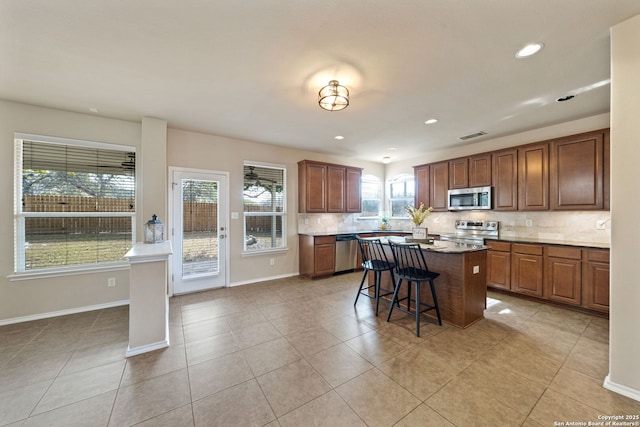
pixel 412 267
pixel 374 259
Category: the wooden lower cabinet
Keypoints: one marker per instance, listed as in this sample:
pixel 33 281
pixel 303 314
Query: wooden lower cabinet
pixel 569 275
pixel 526 269
pixel 499 264
pixel 595 279
pixel 563 274
pixel 317 256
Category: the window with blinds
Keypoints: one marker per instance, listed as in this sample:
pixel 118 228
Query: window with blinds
pixel 75 202
pixel 401 195
pixel 264 200
pixel 371 196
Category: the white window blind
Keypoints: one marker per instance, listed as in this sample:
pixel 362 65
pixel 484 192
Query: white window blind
pixel 75 203
pixel 264 200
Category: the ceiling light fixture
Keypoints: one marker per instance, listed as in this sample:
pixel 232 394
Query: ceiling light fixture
pixel 333 97
pixel 338 137
pixel 529 50
pixel 386 160
pixel 431 121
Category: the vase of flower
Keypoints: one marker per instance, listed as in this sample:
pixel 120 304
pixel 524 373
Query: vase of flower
pixel 418 215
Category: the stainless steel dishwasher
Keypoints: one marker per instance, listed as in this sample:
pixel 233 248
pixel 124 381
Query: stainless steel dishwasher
pixel 346 248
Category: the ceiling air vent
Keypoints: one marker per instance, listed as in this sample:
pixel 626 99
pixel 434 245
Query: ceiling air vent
pixel 473 135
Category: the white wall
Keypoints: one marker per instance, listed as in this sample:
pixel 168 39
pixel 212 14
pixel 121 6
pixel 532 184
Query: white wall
pixel 46 295
pixel 202 151
pixel 624 358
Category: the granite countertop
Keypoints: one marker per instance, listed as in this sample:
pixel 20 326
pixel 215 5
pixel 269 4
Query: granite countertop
pixel 338 233
pixel 538 240
pixel 443 246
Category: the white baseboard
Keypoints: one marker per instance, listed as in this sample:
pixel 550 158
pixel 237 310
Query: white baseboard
pixel 146 348
pixel 262 279
pixel 621 389
pixel 63 312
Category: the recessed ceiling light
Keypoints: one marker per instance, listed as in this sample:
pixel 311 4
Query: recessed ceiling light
pixel 93 110
pixel 529 50
pixel 391 149
pixel 565 98
pixel 338 137
pixel 386 160
pixel 431 121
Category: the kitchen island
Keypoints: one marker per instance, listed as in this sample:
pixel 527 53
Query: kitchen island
pixel 461 288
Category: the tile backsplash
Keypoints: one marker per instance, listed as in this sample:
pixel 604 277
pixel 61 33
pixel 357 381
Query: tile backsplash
pixel 577 226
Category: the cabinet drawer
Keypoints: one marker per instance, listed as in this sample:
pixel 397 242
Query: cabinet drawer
pixel 597 255
pixel 520 248
pixel 323 240
pixel 563 252
pixel 498 246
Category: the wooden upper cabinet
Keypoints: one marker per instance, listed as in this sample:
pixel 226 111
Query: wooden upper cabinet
pixel 577 172
pixel 353 198
pixel 480 170
pixel 421 177
pixel 459 173
pixel 439 186
pixel 336 182
pixel 474 171
pixel 325 187
pixel 505 180
pixel 533 177
pixel 312 181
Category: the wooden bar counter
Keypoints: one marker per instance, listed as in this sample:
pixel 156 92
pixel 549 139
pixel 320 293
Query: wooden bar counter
pixel 461 287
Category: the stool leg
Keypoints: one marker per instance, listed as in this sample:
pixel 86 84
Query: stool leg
pixel 393 281
pixel 409 296
pixel 377 289
pixel 435 301
pixel 418 308
pixel 364 276
pixel 395 299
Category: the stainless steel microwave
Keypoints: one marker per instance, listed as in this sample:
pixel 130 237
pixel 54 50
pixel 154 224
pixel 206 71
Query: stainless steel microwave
pixel 462 199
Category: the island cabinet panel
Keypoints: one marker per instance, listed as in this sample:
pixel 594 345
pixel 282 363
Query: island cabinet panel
pixel 353 188
pixel 325 187
pixel 459 173
pixel 577 172
pixel 533 177
pixel 505 180
pixel 595 279
pixel 563 274
pixel 317 255
pixel 421 177
pixel 439 186
pixel 499 264
pixel 336 182
pixel 526 269
pixel 480 170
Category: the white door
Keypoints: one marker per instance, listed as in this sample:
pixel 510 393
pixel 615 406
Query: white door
pixel 199 230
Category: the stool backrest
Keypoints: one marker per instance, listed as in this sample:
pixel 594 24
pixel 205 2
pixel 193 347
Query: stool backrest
pixel 409 260
pixel 371 249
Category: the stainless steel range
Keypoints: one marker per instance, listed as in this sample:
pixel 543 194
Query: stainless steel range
pixel 472 232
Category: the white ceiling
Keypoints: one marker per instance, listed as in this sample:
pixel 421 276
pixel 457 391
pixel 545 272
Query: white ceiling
pixel 251 69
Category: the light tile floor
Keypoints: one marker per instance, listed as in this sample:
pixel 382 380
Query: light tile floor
pixel 295 352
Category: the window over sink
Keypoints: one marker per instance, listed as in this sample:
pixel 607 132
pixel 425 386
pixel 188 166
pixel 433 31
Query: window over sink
pixel 401 195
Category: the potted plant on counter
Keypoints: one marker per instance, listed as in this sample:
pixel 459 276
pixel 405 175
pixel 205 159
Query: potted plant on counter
pixel 418 215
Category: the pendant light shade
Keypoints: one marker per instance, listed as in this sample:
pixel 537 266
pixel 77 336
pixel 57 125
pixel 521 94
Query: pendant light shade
pixel 333 97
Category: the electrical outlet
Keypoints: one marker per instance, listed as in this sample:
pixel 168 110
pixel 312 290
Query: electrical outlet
pixel 476 269
pixel 272 261
pixel 600 224
pixel 528 223
pixel 306 221
pixel 111 282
